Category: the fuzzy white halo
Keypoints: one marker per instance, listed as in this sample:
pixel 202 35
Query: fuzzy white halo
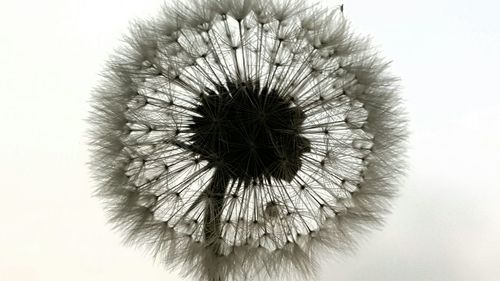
pixel 154 183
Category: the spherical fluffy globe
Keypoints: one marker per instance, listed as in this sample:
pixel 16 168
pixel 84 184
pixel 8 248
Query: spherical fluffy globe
pixel 241 138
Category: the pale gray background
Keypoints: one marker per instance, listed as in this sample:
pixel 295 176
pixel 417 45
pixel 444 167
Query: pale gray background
pixel 445 225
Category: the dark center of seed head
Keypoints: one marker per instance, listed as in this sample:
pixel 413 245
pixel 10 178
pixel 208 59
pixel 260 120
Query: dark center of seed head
pixel 249 130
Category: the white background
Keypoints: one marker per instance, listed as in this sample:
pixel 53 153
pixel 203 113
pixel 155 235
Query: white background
pixel 445 225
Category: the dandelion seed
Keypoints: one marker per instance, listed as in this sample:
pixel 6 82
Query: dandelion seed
pixel 239 138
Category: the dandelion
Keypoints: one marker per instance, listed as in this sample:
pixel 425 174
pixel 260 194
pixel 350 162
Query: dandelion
pixel 240 139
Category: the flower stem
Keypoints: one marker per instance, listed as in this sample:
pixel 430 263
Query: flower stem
pixel 215 193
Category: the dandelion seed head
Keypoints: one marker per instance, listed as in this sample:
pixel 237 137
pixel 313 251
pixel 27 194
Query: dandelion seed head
pixel 241 138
